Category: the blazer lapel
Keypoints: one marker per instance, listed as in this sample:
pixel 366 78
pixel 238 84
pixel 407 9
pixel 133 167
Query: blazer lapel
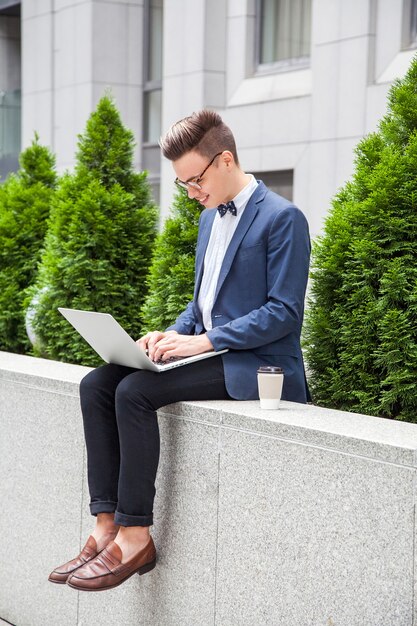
pixel 204 236
pixel 245 221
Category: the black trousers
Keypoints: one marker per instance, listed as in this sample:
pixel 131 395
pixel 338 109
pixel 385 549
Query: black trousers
pixel 121 430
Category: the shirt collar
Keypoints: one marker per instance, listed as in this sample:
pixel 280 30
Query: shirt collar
pixel 242 198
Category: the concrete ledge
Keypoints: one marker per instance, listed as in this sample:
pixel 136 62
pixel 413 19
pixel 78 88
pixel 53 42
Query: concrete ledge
pixel 299 516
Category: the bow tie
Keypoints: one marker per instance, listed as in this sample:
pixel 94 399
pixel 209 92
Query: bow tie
pixel 224 208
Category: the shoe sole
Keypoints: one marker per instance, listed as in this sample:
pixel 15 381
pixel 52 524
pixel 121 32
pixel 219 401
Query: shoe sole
pixel 144 569
pixel 58 582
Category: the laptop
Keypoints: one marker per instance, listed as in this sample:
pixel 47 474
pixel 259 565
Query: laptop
pixel 114 345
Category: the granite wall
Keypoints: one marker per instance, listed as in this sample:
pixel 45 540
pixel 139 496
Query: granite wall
pixel 300 516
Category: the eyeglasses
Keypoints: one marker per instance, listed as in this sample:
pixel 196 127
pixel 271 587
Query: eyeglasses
pixel 194 182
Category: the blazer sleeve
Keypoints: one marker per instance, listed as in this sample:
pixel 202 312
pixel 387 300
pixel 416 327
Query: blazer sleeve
pixel 288 255
pixel 185 322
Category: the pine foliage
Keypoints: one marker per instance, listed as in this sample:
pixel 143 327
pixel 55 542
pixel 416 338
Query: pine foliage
pixel 99 242
pixel 361 325
pixel 171 276
pixel 25 200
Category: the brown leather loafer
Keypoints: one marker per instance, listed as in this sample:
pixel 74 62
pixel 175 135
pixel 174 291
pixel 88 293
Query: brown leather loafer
pixel 107 571
pixel 90 550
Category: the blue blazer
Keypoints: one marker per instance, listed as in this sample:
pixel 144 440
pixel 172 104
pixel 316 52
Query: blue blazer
pixel 259 302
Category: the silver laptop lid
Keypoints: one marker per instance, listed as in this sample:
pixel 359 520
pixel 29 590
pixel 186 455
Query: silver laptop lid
pixel 114 345
pixel 108 338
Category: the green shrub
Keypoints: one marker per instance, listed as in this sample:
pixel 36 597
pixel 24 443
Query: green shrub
pixel 25 200
pixel 171 276
pixel 99 242
pixel 361 331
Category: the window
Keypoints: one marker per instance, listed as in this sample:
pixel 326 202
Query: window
pixel 410 24
pixel 283 33
pixel 10 85
pixel 9 132
pixel 152 92
pixel 153 72
pixel 10 7
pixel 279 182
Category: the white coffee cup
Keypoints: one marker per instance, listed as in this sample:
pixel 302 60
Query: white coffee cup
pixel 270 380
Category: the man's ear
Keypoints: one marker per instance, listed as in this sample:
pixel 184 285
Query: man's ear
pixel 227 158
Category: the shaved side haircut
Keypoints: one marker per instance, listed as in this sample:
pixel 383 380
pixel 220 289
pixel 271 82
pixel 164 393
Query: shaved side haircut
pixel 204 131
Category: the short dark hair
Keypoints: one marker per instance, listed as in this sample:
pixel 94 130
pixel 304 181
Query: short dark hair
pixel 204 131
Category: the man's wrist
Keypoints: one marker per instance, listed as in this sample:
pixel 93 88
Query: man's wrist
pixel 206 343
pixel 211 336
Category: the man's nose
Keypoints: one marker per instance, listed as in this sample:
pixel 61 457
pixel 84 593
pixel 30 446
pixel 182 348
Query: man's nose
pixel 192 192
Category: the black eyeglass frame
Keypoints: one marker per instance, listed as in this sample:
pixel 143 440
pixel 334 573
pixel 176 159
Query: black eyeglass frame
pixel 194 182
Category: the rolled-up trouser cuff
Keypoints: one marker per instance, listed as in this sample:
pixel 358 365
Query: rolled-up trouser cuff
pixel 133 520
pixel 103 506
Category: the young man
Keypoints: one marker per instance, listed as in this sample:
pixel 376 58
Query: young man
pixel 252 263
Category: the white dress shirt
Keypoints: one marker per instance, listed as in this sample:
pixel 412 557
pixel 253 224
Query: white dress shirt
pixel 220 237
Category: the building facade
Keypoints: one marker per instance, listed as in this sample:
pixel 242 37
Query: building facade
pixel 299 81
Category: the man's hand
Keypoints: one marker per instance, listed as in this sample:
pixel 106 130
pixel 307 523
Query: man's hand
pixel 149 341
pixel 164 345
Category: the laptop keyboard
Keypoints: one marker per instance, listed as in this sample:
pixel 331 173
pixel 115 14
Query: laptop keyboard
pixel 171 359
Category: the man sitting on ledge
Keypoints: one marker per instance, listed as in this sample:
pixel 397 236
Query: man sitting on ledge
pixel 252 263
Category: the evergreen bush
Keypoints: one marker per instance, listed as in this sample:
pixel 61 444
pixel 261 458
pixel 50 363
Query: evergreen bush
pixel 99 242
pixel 361 332
pixel 171 276
pixel 25 200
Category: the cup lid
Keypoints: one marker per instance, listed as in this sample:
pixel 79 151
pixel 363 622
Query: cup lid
pixel 270 369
